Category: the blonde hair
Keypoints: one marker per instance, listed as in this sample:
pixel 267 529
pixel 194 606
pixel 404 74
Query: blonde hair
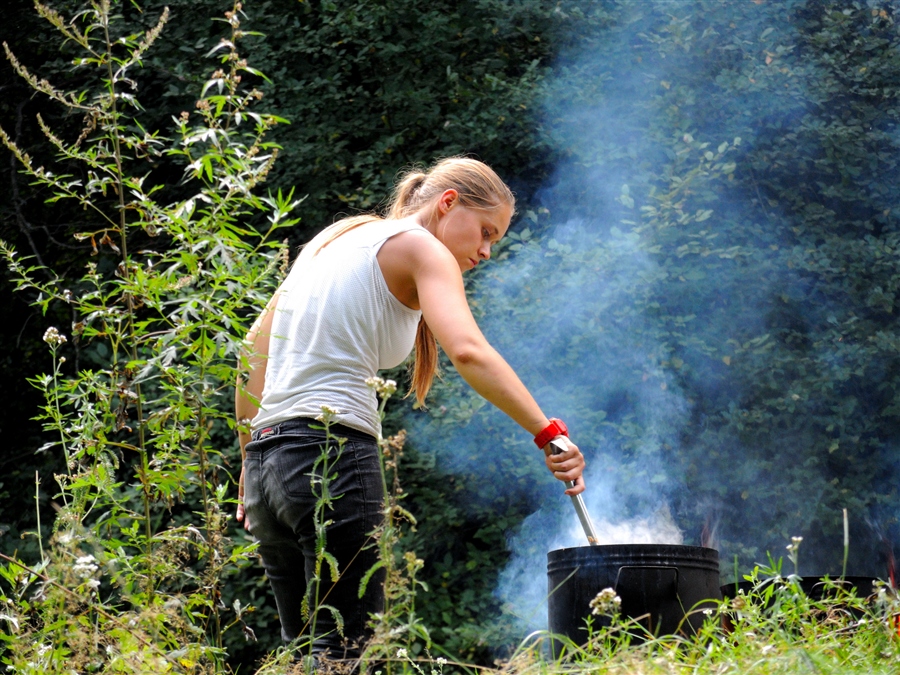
pixel 478 188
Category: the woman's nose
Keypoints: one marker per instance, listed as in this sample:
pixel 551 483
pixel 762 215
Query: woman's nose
pixel 485 251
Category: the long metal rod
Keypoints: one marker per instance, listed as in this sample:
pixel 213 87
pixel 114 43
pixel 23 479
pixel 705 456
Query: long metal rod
pixel 577 501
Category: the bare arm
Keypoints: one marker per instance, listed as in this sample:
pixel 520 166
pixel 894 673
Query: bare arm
pixel 249 386
pixel 441 296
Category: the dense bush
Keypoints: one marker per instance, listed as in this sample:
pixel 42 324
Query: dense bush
pixel 702 279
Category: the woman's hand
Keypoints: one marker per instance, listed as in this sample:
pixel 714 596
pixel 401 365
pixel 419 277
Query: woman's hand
pixel 241 514
pixel 566 466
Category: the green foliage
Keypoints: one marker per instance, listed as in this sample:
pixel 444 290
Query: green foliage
pixel 132 577
pixel 371 86
pixel 718 328
pixel 773 628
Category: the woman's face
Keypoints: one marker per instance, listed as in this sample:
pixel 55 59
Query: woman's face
pixel 469 233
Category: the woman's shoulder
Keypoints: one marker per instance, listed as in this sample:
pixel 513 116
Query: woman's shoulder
pixel 413 240
pixel 411 248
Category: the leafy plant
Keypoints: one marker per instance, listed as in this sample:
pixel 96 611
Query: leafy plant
pixel 142 421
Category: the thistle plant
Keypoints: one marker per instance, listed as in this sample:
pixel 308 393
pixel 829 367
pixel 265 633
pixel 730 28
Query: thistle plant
pixel 320 481
pixel 159 312
pixel 398 624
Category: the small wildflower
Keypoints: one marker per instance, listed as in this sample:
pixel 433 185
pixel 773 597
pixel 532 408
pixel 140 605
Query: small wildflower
pixel 441 661
pixel 93 584
pixel 328 414
pixel 53 337
pixel 85 566
pixel 401 653
pixel 606 602
pixel 382 387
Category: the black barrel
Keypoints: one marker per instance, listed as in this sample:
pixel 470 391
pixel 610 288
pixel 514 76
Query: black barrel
pixel 662 585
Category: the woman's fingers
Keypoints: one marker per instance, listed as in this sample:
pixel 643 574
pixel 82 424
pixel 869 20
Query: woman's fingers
pixel 567 465
pixel 242 516
pixel 578 488
pixel 241 513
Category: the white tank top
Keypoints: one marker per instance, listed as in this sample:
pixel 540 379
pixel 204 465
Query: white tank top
pixel 336 324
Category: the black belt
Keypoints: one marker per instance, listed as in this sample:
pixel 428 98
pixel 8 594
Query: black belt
pixel 303 424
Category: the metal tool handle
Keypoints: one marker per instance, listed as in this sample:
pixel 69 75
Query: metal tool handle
pixel 556 447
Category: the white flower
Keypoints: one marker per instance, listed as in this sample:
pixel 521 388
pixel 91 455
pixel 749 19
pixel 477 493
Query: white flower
pixel 85 566
pixel 327 415
pixel 53 337
pixel 401 653
pixel 441 661
pixel 382 387
pixel 606 602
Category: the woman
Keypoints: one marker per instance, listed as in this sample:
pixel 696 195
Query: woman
pixel 362 293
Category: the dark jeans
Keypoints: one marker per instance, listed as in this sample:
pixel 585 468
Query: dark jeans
pixel 280 499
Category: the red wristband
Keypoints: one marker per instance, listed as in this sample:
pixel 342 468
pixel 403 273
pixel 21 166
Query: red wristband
pixel 556 428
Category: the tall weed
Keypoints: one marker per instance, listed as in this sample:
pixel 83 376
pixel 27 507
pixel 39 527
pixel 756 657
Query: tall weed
pixel 137 403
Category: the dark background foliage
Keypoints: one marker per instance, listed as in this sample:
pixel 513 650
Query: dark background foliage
pixel 741 366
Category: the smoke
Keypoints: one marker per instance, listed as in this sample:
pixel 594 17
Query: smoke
pixel 697 357
pixel 628 488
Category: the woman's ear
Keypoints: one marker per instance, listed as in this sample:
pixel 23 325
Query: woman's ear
pixel 447 201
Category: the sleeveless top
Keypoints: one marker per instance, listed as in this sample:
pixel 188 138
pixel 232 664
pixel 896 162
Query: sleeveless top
pixel 336 324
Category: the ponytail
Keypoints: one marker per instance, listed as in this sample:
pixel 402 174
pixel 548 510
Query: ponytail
pixel 425 366
pixel 405 193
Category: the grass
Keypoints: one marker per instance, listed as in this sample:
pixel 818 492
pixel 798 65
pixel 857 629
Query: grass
pixel 773 629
